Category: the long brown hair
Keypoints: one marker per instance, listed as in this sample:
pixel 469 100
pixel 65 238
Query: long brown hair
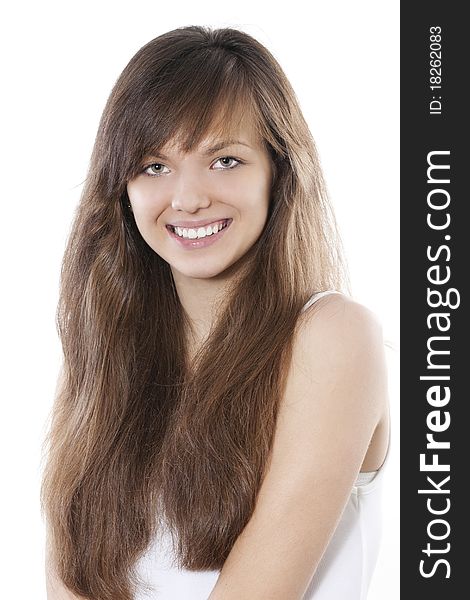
pixel 135 436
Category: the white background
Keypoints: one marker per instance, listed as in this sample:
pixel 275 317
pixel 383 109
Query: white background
pixel 59 62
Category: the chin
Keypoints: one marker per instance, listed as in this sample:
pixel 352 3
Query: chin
pixel 206 269
pixel 202 271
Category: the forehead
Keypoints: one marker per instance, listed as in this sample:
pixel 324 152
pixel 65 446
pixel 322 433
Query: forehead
pixel 217 137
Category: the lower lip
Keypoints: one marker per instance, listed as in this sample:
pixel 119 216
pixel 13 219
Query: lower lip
pixel 199 243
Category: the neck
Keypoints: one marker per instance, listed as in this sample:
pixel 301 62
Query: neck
pixel 202 299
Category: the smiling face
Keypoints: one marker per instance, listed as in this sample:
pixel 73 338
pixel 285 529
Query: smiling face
pixel 202 211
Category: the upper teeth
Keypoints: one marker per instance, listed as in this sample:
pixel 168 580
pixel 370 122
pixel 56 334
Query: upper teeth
pixel 201 232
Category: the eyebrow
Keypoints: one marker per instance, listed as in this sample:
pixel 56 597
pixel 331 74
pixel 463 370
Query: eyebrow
pixel 215 148
pixel 223 144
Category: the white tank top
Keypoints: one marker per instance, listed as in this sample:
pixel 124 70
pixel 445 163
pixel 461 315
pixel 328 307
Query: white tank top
pixel 344 572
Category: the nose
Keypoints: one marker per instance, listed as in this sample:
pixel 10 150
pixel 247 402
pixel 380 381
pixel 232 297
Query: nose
pixel 189 194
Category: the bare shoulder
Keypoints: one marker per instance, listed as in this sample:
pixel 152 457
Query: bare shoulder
pixel 338 320
pixel 339 340
pixel 339 356
pixel 336 335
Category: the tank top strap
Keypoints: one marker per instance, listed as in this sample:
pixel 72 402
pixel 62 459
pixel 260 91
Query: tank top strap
pixel 317 296
pixel 367 480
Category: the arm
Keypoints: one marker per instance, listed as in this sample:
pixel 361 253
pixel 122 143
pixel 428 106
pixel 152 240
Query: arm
pixel 335 397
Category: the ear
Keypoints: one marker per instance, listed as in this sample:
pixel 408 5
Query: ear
pixel 126 203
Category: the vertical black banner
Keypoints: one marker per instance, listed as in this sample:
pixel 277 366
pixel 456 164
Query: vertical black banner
pixel 435 356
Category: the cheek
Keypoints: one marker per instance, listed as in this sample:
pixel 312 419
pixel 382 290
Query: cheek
pixel 251 193
pixel 147 204
pixel 257 201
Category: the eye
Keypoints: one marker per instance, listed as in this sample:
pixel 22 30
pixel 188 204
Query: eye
pixel 227 163
pixel 156 169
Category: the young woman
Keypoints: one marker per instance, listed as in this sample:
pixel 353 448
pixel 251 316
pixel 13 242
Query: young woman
pixel 221 414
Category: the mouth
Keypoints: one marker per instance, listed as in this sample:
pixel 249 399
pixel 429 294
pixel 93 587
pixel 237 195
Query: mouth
pixel 199 237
